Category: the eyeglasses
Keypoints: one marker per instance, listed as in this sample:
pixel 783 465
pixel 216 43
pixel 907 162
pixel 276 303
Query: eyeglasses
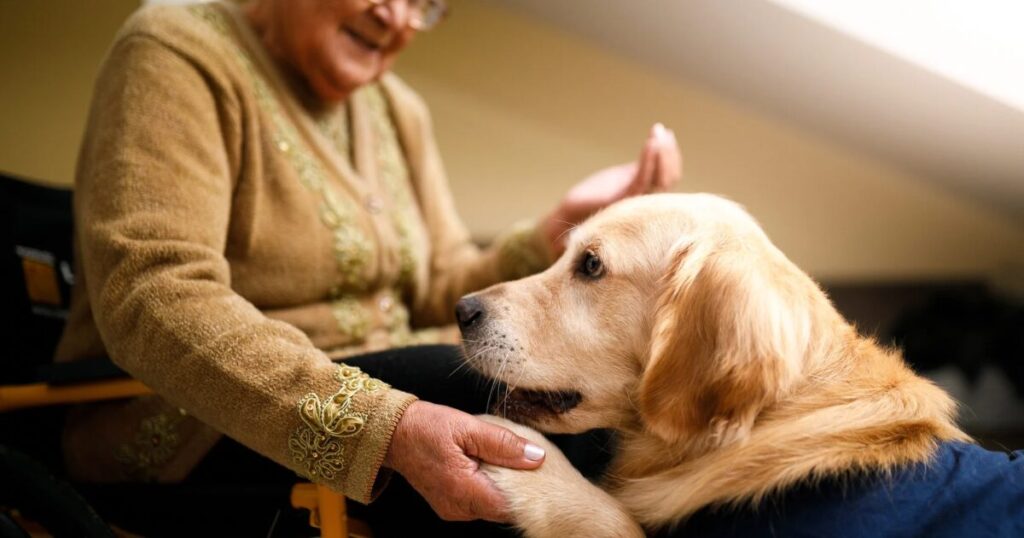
pixel 423 14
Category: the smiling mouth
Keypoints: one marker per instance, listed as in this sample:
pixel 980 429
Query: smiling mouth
pixel 527 404
pixel 365 42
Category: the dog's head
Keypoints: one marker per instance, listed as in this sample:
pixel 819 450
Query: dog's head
pixel 674 308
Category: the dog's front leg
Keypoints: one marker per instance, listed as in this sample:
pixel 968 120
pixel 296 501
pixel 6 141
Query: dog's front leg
pixel 556 500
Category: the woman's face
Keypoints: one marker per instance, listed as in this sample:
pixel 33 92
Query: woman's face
pixel 336 45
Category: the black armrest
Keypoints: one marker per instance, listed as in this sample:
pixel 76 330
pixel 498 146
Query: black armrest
pixel 83 371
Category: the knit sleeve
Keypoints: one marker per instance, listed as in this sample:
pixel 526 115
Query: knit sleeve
pixel 153 203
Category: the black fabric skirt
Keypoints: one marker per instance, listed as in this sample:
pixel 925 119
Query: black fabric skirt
pixel 236 492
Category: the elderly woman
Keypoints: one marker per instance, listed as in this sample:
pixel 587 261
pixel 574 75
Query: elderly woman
pixel 256 196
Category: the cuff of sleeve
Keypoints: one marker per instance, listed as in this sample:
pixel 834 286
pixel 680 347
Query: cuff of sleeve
pixel 523 251
pixel 368 477
pixel 343 438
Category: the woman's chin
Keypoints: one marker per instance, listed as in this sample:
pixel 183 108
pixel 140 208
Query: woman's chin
pixel 339 85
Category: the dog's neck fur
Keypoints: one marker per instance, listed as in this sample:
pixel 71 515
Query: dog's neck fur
pixel 861 409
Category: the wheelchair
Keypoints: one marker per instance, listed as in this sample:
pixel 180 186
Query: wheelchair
pixel 36 273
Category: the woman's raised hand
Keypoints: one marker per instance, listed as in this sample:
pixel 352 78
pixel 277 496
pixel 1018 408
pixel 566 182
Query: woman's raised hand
pixel 657 169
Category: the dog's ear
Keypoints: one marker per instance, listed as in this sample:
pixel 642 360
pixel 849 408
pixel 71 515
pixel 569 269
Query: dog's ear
pixel 729 337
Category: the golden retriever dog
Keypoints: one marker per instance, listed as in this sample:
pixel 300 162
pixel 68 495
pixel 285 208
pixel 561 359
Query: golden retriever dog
pixel 726 370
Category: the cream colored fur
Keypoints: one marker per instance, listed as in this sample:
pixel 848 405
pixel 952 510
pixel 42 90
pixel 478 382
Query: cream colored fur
pixel 556 500
pixel 725 368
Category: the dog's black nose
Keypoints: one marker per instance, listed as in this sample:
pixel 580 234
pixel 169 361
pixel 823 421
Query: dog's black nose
pixel 469 312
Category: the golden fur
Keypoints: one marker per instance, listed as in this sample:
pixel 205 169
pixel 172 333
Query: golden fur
pixel 725 368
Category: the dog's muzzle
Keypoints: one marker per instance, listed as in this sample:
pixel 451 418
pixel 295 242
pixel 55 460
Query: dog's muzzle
pixel 470 314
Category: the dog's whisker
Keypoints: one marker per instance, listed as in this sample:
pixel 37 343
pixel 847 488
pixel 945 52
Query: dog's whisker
pixel 508 391
pixel 466 364
pixel 494 385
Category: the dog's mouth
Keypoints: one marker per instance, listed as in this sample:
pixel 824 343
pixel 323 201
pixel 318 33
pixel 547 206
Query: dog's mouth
pixel 531 404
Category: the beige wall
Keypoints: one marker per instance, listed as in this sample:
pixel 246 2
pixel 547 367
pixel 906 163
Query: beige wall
pixel 50 51
pixel 522 111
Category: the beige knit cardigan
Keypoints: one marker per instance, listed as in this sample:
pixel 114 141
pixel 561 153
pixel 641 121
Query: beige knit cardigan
pixel 233 235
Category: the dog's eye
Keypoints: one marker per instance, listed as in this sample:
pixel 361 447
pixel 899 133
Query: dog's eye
pixel 590 265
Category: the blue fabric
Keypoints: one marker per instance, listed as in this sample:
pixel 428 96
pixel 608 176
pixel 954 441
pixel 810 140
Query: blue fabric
pixel 966 491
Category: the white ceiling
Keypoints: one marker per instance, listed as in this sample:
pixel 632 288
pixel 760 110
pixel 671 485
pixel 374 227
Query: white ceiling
pixel 797 67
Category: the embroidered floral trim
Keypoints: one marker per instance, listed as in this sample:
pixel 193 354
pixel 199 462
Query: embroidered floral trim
pixel 395 177
pixel 352 317
pixel 423 337
pixel 154 444
pixel 335 127
pixel 352 248
pixel 316 446
pixel 396 320
pixel 211 17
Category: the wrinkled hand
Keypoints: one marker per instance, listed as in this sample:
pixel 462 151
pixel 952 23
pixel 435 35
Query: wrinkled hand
pixel 438 450
pixel 657 169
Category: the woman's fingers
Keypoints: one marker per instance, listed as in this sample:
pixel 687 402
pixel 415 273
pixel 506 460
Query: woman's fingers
pixel 438 450
pixel 670 161
pixel 647 164
pixel 499 446
pixel 466 496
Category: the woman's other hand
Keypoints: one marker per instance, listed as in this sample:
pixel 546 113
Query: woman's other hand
pixel 438 450
pixel 657 169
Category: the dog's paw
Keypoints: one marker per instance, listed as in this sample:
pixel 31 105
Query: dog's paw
pixel 556 500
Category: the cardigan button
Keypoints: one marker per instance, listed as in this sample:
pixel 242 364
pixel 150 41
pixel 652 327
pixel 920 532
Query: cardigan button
pixel 374 204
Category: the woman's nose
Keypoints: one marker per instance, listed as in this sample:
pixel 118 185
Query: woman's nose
pixel 393 13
